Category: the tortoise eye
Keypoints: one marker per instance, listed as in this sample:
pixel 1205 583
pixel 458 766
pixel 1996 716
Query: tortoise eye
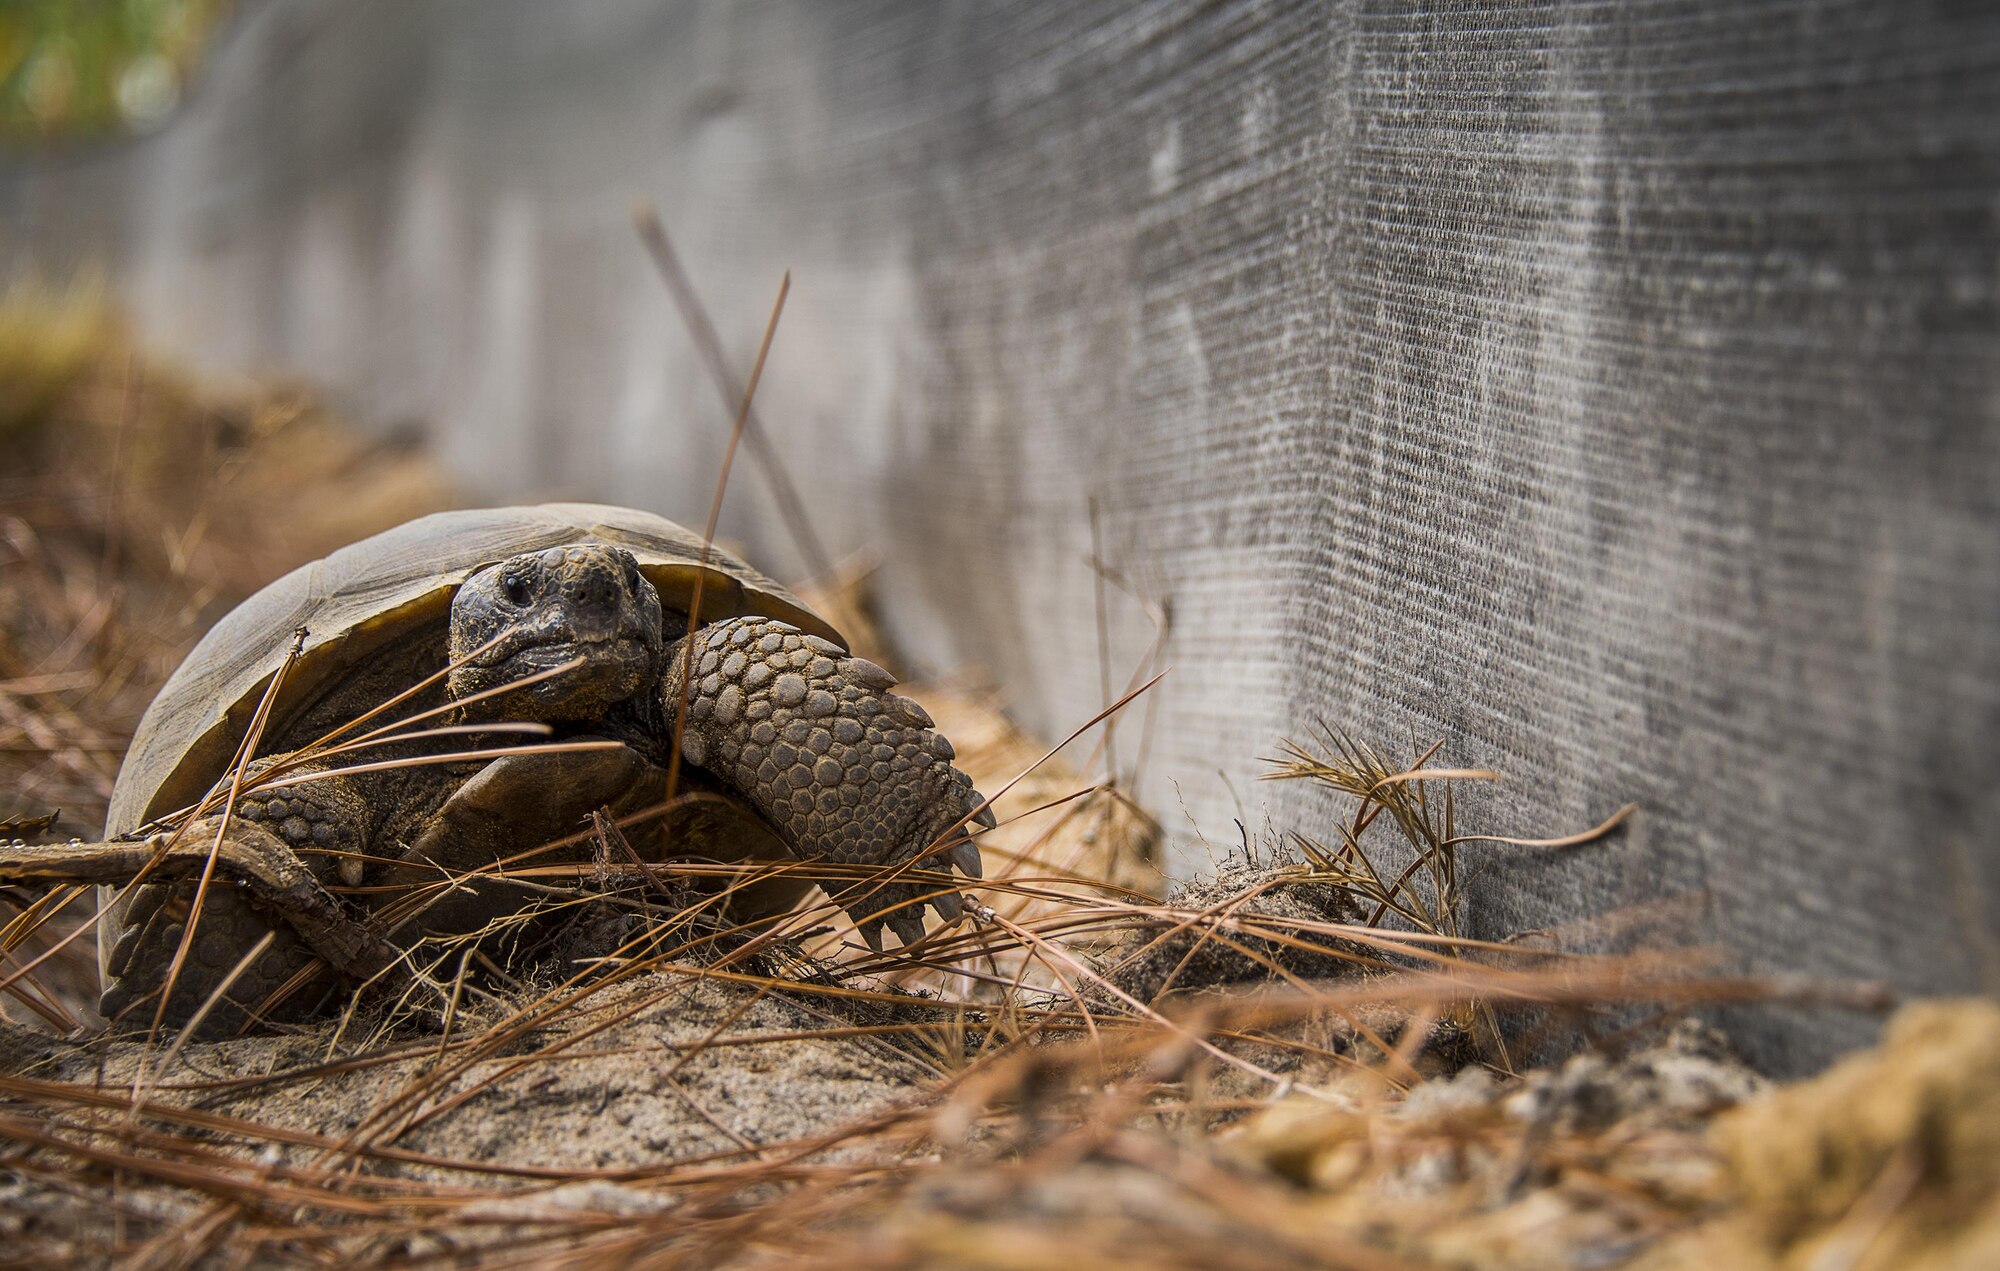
pixel 631 575
pixel 515 588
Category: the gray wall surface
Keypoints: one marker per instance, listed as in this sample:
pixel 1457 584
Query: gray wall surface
pixel 1609 388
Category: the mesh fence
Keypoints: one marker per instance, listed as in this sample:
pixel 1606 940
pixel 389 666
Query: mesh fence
pixel 1607 388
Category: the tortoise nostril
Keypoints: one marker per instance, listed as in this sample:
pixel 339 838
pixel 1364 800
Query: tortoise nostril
pixel 596 595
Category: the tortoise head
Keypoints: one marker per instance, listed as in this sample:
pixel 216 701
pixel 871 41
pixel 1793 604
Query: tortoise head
pixel 587 604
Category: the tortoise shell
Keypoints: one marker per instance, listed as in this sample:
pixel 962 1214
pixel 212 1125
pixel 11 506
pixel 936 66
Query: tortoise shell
pixel 375 592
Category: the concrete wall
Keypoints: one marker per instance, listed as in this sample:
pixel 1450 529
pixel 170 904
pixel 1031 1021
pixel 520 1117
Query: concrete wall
pixel 1610 389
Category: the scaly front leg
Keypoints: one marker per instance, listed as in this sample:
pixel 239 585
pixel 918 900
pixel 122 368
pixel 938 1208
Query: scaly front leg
pixel 844 769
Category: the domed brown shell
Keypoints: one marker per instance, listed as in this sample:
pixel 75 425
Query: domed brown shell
pixel 368 594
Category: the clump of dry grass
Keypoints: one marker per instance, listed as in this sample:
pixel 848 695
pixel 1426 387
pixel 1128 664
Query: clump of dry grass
pixel 1425 893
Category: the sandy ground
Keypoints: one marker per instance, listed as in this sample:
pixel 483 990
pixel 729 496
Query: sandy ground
pixel 673 1068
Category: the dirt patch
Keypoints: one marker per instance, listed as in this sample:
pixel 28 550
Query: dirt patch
pixel 676 1067
pixel 1196 957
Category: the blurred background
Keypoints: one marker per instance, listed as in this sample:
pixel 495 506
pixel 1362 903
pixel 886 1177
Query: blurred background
pixel 1607 391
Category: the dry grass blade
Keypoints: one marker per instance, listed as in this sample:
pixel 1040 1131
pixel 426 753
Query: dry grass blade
pixel 1590 835
pixel 701 329
pixel 708 530
pixel 449 757
pixel 237 768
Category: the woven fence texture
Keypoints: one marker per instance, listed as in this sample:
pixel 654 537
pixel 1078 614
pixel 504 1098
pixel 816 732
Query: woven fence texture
pixel 1609 389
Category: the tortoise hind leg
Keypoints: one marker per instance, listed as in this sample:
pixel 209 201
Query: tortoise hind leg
pixel 260 886
pixel 844 769
pixel 155 916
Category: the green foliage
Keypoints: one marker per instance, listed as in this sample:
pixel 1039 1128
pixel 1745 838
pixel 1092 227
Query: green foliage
pixel 71 68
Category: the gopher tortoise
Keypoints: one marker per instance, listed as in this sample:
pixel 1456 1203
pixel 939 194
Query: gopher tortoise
pixel 570 619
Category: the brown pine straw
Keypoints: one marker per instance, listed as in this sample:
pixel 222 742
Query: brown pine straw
pixel 329 1198
pixel 349 1186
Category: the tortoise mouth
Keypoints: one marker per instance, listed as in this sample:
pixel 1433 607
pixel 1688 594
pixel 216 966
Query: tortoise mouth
pixel 591 676
pixel 536 656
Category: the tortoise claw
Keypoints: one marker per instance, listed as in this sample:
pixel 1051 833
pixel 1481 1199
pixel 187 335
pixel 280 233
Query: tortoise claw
pixel 908 924
pixel 966 857
pixel 948 905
